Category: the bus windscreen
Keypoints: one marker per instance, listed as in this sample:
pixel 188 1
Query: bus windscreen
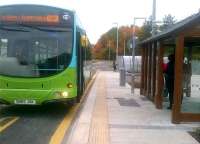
pixel 34 52
pixel 35 41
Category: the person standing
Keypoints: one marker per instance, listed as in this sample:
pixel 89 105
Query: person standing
pixel 164 68
pixel 170 78
pixel 114 66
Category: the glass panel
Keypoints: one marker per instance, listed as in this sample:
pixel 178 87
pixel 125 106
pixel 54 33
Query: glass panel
pixel 3 47
pixel 191 81
pixel 34 52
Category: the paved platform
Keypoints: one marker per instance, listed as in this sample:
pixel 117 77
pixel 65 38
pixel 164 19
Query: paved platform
pixel 112 115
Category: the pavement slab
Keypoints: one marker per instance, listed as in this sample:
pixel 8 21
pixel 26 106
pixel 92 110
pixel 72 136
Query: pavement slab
pixel 131 118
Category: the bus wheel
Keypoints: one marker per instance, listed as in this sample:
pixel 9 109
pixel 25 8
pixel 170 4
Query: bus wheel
pixel 78 99
pixel 71 102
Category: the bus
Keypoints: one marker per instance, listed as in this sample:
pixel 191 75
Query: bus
pixel 44 55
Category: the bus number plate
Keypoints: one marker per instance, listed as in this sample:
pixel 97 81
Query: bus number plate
pixel 28 102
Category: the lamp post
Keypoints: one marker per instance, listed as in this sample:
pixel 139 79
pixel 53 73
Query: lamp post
pixel 133 50
pixel 124 47
pixel 117 39
pixel 108 50
pixel 154 18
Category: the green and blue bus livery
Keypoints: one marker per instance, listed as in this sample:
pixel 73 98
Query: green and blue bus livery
pixel 43 55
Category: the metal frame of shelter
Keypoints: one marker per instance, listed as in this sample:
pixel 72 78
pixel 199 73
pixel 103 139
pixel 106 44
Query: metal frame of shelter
pixel 185 33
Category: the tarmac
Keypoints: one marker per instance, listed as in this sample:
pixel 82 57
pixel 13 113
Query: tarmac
pixel 113 115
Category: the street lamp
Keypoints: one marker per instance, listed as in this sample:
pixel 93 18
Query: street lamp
pixel 117 44
pixel 134 38
pixel 133 50
pixel 154 18
pixel 124 47
pixel 108 45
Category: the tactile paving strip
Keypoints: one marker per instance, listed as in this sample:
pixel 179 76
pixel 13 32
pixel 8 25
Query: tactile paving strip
pixel 99 130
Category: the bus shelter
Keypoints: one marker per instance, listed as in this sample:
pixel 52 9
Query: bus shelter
pixel 182 40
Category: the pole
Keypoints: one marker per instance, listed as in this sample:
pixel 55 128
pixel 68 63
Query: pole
pixel 124 47
pixel 133 57
pixel 117 42
pixel 117 39
pixel 154 18
pixel 133 43
pixel 109 50
pixel 133 51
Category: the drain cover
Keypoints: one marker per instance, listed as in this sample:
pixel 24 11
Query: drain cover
pixel 127 102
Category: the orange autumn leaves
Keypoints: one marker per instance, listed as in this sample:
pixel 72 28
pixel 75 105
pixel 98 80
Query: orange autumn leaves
pixel 105 48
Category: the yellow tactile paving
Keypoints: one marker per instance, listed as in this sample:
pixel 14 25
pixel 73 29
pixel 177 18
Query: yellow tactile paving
pixel 59 134
pixel 99 131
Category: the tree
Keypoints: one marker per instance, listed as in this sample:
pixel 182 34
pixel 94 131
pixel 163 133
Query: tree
pixel 145 31
pixel 109 40
pixel 168 21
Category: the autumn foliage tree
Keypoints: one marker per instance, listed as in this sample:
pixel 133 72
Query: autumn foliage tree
pixel 105 48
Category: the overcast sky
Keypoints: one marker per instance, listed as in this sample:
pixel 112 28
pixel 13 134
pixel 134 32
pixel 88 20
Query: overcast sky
pixel 98 16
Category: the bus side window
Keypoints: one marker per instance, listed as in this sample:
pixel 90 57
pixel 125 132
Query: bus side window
pixel 3 47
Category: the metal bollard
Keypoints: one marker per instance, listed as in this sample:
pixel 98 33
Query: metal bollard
pixel 132 83
pixel 122 77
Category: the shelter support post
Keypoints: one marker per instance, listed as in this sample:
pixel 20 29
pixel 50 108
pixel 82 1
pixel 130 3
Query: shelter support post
pixel 159 76
pixel 149 71
pixel 145 69
pixel 153 71
pixel 178 74
pixel 142 72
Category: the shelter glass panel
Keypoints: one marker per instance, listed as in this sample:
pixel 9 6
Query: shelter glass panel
pixel 191 80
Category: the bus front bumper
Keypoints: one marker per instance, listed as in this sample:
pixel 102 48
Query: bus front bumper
pixel 34 97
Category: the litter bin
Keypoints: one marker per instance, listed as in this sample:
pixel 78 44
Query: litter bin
pixel 132 83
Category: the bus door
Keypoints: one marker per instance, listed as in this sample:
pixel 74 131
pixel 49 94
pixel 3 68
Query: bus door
pixel 80 65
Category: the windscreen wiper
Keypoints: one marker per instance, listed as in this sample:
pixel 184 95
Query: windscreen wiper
pixel 6 28
pixel 46 29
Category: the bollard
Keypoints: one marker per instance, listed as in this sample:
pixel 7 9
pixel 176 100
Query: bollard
pixel 122 77
pixel 132 83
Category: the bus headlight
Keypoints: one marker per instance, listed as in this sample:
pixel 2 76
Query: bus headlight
pixel 64 94
pixel 60 94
